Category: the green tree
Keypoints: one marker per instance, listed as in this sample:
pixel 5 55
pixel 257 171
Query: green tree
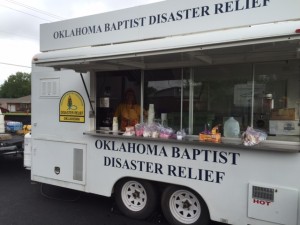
pixel 16 86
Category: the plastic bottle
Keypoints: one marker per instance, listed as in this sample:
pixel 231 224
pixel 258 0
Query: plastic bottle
pixel 231 128
pixel 115 126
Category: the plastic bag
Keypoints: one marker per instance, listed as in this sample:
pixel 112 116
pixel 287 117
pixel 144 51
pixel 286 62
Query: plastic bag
pixel 253 136
pixel 180 134
pixel 166 132
pixel 147 131
pixel 139 129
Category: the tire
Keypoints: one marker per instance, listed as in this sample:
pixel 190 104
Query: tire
pixel 182 206
pixel 136 198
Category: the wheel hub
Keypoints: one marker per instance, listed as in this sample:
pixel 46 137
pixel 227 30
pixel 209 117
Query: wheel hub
pixel 186 204
pixel 136 194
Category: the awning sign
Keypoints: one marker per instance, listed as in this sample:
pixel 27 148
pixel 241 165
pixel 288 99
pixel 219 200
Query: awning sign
pixel 164 19
pixel 72 108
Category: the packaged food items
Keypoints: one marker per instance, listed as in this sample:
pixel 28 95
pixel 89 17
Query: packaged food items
pixel 211 136
pixel 180 134
pixel 166 132
pixel 139 130
pixel 253 136
pixel 147 132
pixel 155 134
pixel 153 130
pixel 129 131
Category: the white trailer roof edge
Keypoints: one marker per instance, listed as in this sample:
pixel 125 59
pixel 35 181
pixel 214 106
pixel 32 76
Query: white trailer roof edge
pixel 222 38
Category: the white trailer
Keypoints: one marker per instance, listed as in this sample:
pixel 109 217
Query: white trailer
pixel 198 62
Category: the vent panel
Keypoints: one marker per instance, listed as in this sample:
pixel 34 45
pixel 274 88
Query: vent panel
pixel 78 164
pixel 263 193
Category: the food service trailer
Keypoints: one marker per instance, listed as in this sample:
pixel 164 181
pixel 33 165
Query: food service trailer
pixel 197 63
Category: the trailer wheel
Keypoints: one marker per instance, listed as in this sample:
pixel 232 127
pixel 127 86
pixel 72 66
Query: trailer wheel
pixel 182 206
pixel 136 198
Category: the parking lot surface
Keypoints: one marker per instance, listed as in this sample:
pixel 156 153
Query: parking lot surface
pixel 23 202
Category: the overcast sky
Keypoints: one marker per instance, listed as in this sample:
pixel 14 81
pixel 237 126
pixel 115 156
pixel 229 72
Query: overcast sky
pixel 20 21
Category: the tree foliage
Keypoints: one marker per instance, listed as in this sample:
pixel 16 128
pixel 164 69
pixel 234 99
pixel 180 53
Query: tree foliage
pixel 16 86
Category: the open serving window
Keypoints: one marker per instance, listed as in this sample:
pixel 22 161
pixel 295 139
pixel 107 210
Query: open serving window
pixel 257 85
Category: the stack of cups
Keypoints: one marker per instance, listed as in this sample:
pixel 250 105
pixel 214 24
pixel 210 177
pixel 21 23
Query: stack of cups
pixel 151 114
pixel 164 120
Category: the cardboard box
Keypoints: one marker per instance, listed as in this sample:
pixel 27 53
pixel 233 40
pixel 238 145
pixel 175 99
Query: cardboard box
pixel 283 114
pixel 216 138
pixel 284 127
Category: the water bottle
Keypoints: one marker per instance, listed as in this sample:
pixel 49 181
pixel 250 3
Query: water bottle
pixel 231 128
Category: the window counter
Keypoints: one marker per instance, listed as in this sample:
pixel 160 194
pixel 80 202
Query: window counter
pixel 267 145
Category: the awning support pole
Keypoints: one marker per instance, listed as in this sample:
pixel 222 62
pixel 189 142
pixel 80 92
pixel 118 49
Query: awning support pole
pixel 87 93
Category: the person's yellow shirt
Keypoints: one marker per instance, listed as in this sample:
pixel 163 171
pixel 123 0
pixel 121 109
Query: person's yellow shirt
pixel 129 115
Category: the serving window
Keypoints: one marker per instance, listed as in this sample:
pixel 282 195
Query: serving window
pixel 217 97
pixel 277 107
pixel 165 90
pixel 264 96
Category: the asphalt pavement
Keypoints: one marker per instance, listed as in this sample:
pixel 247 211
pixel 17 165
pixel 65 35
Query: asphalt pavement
pixel 23 202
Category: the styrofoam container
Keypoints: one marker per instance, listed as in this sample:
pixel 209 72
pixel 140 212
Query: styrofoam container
pixel 284 127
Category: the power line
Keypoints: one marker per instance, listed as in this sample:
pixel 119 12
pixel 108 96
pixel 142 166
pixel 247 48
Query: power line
pixel 25 13
pixel 11 64
pixel 36 10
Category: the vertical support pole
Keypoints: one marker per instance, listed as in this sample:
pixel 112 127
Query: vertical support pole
pixel 142 95
pixel 191 102
pixel 252 94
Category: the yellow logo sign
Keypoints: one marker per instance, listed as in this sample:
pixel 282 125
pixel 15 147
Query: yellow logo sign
pixel 72 108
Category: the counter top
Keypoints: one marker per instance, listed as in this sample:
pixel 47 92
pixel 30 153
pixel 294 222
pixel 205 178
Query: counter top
pixel 267 145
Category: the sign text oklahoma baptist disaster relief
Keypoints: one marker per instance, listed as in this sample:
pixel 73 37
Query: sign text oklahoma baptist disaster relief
pixel 165 17
pixel 171 152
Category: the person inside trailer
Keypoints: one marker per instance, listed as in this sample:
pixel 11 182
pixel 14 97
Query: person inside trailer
pixel 128 111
